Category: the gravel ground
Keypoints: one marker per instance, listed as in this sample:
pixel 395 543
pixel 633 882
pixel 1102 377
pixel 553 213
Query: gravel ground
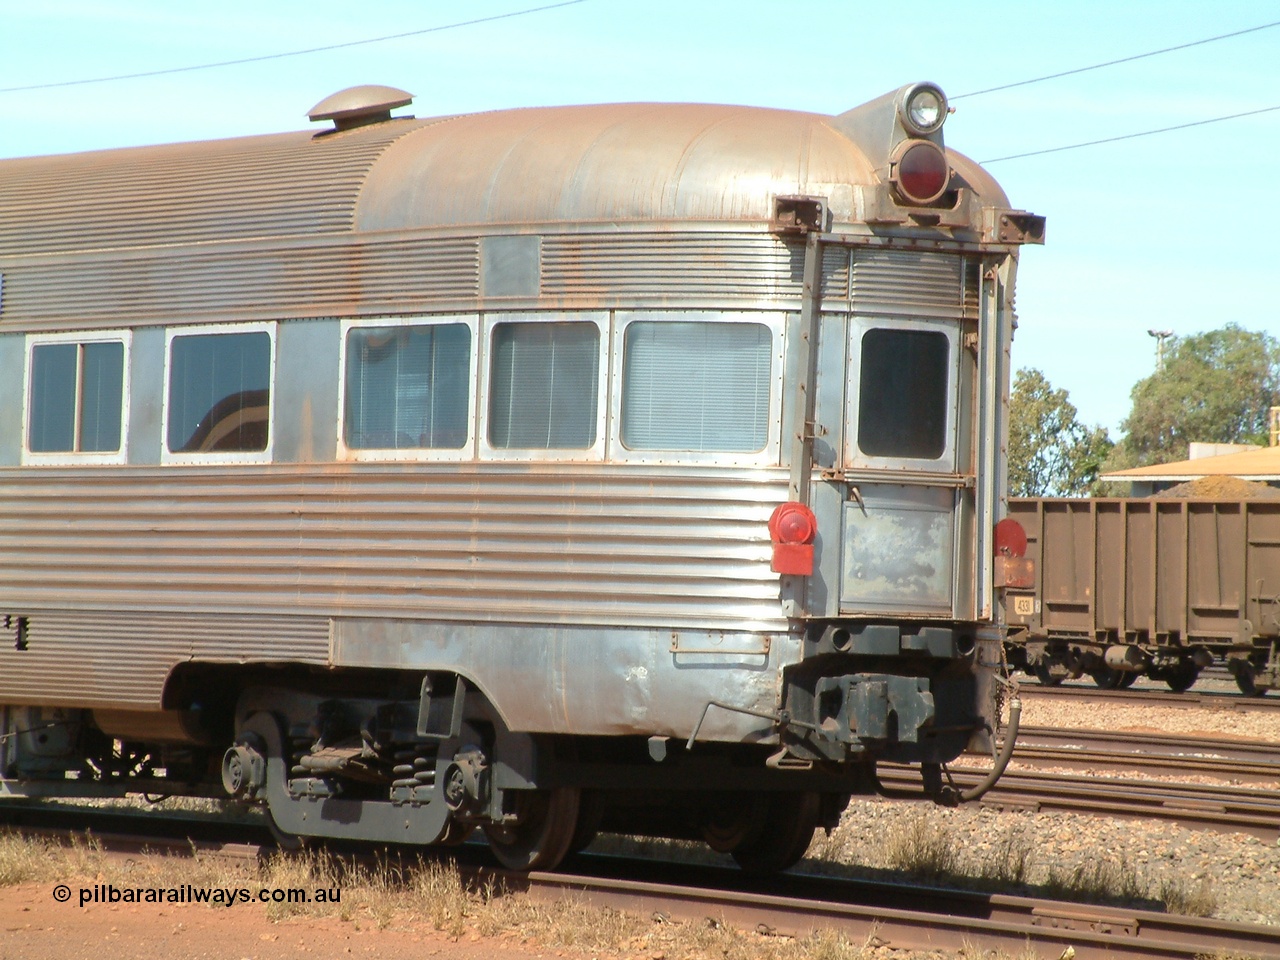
pixel 1232 876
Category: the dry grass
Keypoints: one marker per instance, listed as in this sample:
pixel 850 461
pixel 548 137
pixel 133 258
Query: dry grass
pixel 920 844
pixel 1187 899
pixel 35 860
pixel 1102 880
pixel 398 894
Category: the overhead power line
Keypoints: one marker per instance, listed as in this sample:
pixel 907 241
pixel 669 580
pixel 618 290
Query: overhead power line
pixel 291 53
pixel 1131 136
pixel 1112 63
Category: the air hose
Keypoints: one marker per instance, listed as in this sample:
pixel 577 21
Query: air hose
pixel 948 795
pixel 1002 761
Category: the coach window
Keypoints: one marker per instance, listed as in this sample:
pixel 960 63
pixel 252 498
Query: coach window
pixel 407 386
pixel 219 399
pixel 544 386
pixel 903 392
pixel 696 387
pixel 75 398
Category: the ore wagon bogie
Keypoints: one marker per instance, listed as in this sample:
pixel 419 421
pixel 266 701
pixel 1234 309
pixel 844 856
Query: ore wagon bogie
pixel 626 467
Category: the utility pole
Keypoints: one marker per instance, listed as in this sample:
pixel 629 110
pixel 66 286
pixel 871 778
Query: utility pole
pixel 1161 336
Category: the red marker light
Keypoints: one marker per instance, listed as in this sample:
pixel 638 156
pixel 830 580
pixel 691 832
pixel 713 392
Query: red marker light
pixel 792 527
pixel 920 171
pixel 1010 539
pixel 793 523
pixel 1012 568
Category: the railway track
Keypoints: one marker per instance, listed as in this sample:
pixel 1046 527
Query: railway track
pixel 1225 807
pixel 900 916
pixel 1194 806
pixel 1150 753
pixel 1164 698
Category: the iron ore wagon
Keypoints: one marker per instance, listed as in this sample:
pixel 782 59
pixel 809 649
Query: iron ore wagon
pixel 1152 587
pixel 629 467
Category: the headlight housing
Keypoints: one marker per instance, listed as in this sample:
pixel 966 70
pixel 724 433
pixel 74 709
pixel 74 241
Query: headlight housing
pixel 923 109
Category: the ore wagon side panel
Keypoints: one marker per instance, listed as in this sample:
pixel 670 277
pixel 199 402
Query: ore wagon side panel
pixel 1262 565
pixel 1152 571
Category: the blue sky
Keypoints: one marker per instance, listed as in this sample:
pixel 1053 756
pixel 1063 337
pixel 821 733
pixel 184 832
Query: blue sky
pixel 1174 231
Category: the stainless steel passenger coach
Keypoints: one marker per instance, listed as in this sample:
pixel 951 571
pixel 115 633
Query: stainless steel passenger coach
pixel 627 467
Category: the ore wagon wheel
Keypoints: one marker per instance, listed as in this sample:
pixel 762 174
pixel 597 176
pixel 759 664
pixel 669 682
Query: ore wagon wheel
pixel 1107 679
pixel 543 833
pixel 1182 676
pixel 1046 678
pixel 1247 680
pixel 787 832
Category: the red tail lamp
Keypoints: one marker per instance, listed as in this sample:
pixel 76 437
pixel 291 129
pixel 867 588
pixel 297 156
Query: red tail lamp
pixel 1011 538
pixel 920 171
pixel 792 529
pixel 1013 568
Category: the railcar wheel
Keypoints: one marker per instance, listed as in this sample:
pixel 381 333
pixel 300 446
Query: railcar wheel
pixel 1128 679
pixel 732 826
pixel 590 816
pixel 785 835
pixel 1107 679
pixel 455 833
pixel 289 842
pixel 1182 677
pixel 543 833
pixel 1047 679
pixel 1247 682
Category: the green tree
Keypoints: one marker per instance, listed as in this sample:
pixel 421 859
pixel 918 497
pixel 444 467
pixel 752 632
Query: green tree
pixel 1215 387
pixel 1051 453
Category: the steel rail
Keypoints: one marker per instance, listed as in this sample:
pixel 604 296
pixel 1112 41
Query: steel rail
pixel 915 917
pixel 1079 750
pixel 1194 806
pixel 1214 701
pixel 1259 752
pixel 891 914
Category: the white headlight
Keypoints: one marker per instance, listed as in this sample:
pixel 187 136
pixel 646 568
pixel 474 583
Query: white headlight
pixel 925 109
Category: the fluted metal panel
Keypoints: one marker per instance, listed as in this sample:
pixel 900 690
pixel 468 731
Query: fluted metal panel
pixel 972 287
pixel 473 542
pixel 121 659
pixel 837 269
pixel 277 185
pixel 908 282
pixel 725 266
pixel 199 284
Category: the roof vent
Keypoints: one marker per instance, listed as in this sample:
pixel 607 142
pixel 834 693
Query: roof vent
pixel 359 106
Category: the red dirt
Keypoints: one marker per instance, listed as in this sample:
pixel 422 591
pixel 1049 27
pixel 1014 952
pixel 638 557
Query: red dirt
pixel 34 926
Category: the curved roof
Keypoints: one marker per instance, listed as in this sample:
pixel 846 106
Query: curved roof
pixel 621 162
pixel 611 162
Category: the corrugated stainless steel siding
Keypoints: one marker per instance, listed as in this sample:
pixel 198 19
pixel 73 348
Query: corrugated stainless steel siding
pixel 473 542
pixel 198 285
pixel 906 282
pixel 279 185
pixel 339 277
pixel 725 266
pixel 122 659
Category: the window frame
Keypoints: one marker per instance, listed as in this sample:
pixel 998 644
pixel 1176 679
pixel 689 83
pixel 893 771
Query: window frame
pixel 467 450
pixel 265 455
pixel 79 338
pixel 592 454
pixel 859 326
pixel 774 321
